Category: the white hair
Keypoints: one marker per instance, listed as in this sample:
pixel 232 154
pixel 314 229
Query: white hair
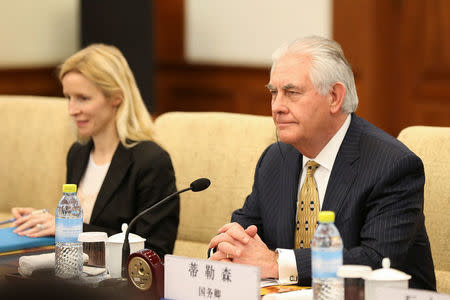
pixel 328 66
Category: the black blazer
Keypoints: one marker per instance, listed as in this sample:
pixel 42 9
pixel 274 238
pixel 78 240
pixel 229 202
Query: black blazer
pixel 375 189
pixel 137 178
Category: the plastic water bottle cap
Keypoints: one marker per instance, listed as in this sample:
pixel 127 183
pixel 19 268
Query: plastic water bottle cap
pixel 326 216
pixel 69 188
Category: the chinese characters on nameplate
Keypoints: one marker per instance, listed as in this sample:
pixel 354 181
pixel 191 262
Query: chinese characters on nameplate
pixel 190 278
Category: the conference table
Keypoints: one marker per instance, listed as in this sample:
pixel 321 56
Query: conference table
pixel 10 262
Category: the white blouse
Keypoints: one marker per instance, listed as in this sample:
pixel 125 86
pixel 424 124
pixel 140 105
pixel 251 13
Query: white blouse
pixel 90 185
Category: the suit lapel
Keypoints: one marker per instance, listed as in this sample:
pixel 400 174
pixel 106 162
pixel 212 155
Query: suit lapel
pixel 79 166
pixel 118 168
pixel 290 172
pixel 344 171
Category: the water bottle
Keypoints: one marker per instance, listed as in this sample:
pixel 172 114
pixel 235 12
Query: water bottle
pixel 69 224
pixel 326 258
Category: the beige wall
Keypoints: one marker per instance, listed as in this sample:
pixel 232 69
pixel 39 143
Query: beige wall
pixel 246 32
pixel 35 33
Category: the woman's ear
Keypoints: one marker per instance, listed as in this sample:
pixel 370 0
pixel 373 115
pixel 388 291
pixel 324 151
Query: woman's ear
pixel 117 99
pixel 337 97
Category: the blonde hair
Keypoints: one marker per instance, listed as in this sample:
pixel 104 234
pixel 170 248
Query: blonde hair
pixel 108 69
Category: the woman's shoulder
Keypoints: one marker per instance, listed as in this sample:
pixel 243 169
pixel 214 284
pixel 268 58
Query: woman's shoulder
pixel 147 147
pixel 149 150
pixel 78 147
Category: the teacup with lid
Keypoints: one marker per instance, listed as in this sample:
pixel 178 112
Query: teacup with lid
pixel 114 246
pixel 384 277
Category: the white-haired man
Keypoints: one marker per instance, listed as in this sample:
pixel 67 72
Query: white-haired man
pixel 370 180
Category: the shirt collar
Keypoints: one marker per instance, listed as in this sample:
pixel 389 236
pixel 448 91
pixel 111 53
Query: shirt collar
pixel 327 155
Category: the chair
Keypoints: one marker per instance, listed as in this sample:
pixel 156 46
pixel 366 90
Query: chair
pixel 36 134
pixel 223 147
pixel 432 145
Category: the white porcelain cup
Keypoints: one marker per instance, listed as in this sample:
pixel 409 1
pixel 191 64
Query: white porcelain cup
pixel 384 277
pixel 113 254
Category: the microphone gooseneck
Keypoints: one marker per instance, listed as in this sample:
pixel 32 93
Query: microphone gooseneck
pixel 196 186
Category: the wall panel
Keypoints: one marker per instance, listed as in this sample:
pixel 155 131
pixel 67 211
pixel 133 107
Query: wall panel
pixel 30 81
pixel 401 57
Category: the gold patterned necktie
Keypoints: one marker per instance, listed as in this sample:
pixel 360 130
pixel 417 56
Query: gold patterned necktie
pixel 308 208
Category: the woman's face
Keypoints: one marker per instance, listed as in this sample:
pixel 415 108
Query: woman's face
pixel 93 113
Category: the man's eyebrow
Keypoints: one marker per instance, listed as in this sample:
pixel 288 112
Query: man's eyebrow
pixel 270 87
pixel 290 86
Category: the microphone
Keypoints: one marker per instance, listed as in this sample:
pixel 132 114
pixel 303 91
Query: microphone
pixel 196 186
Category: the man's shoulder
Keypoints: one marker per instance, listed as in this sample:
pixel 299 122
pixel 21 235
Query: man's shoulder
pixel 278 154
pixel 280 150
pixel 375 140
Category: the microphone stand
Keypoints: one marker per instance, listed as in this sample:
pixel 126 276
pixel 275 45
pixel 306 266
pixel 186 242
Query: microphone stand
pixel 126 243
pixel 195 186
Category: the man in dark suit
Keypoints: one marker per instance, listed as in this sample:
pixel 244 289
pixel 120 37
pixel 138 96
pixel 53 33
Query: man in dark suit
pixel 372 182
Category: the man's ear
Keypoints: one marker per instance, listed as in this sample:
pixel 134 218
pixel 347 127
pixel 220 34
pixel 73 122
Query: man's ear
pixel 337 97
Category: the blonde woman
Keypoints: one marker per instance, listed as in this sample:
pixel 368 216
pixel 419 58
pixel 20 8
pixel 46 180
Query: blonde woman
pixel 117 166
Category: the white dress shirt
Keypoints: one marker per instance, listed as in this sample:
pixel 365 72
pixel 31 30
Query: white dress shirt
pixel 287 265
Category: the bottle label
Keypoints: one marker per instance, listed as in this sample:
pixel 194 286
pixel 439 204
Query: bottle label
pixel 325 262
pixel 67 230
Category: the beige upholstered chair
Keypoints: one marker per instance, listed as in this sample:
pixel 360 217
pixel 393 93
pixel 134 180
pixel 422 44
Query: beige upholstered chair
pixel 223 147
pixel 35 137
pixel 432 145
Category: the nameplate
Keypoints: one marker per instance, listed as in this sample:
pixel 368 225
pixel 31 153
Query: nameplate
pixel 383 293
pixel 199 279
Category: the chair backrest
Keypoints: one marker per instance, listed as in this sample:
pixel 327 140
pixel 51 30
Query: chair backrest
pixel 432 145
pixel 36 135
pixel 223 147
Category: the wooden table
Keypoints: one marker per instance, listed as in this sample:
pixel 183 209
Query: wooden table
pixel 10 262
